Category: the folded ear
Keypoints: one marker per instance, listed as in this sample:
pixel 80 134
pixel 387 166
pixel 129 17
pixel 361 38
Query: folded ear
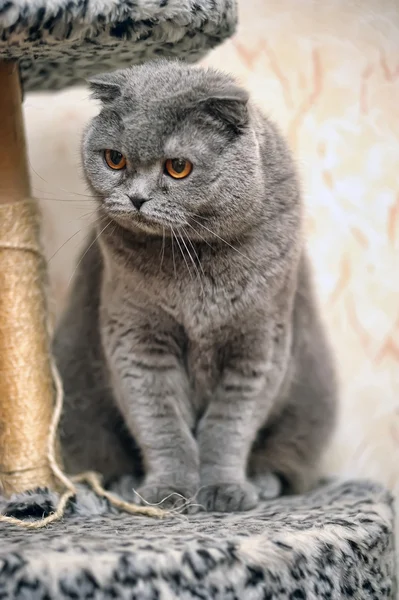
pixel 106 87
pixel 229 105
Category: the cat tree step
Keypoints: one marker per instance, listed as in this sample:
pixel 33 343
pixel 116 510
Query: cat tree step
pixel 334 543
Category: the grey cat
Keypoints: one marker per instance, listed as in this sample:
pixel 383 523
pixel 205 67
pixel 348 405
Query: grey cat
pixel 191 350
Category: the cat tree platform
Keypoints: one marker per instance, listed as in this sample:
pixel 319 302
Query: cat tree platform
pixel 332 544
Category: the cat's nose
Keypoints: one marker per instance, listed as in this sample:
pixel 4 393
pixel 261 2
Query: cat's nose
pixel 137 201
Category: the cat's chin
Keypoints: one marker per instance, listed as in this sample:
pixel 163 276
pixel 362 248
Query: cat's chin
pixel 141 224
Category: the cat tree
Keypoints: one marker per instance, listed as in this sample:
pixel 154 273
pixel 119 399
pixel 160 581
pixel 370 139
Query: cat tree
pixel 334 543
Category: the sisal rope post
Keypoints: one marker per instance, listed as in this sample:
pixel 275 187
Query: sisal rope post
pixel 31 394
pixel 26 385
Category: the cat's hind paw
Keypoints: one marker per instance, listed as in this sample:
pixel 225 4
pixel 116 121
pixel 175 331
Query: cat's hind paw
pixel 269 486
pixel 227 497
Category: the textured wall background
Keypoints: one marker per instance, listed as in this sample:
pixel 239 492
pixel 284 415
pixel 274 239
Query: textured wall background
pixel 328 73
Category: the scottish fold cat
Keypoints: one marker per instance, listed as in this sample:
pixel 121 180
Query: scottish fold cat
pixel 191 350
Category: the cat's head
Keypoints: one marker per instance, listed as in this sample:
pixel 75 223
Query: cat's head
pixel 172 147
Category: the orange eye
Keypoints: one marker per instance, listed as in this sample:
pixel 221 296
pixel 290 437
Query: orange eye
pixel 114 159
pixel 178 168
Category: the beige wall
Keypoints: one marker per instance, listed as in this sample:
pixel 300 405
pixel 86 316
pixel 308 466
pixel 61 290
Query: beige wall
pixel 328 73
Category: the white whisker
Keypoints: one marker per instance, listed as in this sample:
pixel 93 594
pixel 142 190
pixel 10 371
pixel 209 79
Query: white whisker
pixel 62 245
pixel 163 247
pixel 193 261
pixel 225 242
pixel 72 236
pixel 57 186
pixel 83 206
pixel 86 251
pixel 201 236
pixel 197 215
pixel 87 214
pixel 173 250
pixel 184 258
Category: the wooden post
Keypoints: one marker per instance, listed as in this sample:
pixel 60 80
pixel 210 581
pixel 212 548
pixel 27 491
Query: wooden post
pixel 26 388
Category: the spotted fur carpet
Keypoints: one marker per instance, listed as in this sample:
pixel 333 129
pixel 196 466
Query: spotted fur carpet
pixel 334 543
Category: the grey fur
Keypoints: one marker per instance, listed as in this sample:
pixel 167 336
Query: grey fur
pixel 192 329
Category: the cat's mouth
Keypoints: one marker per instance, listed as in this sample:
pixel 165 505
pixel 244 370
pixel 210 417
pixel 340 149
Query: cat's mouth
pixel 149 222
pixel 155 220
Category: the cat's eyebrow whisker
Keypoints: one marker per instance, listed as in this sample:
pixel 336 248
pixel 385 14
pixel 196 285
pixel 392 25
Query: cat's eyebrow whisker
pixel 225 242
pixel 86 251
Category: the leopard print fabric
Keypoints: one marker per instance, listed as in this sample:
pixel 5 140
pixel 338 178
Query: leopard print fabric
pixel 334 543
pixel 61 42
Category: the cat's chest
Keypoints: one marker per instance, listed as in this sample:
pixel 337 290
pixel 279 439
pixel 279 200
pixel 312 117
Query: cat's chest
pixel 198 315
pixel 196 300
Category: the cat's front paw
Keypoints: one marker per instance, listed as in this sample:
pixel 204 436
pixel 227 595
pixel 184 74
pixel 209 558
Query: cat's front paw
pixel 163 495
pixel 228 497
